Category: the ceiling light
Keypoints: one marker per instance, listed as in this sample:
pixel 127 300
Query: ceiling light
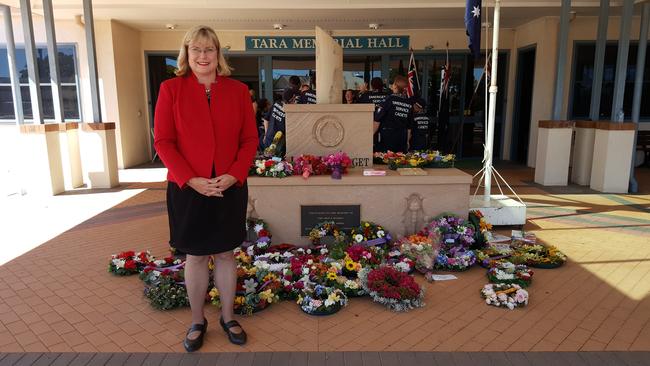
pixel 170 26
pixel 278 26
pixel 374 26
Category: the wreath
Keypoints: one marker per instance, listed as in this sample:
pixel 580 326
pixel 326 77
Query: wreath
pixel 487 255
pixel 504 295
pixel 369 233
pixel 257 235
pixel 481 228
pixel 129 262
pixel 506 272
pixel 321 300
pixel 250 296
pixel 453 230
pixel 396 290
pixel 455 260
pixel 415 159
pixel 539 256
pixel 327 233
pixel 420 250
pixel 167 294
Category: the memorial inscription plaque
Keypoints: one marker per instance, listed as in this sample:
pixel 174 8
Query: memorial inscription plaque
pixel 346 217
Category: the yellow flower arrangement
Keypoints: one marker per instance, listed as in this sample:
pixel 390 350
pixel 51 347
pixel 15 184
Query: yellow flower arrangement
pixel 331 276
pixel 214 292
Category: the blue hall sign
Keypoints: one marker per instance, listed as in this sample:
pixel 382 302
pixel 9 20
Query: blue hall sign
pixel 309 43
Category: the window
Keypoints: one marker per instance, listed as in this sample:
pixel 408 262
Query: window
pixel 583 77
pixel 69 83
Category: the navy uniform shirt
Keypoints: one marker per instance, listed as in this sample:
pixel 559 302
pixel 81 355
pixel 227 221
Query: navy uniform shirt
pixel 276 118
pixel 375 97
pixel 420 131
pixel 395 112
pixel 307 97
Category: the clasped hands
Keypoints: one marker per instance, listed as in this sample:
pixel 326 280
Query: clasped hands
pixel 213 187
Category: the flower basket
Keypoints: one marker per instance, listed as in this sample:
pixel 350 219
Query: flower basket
pixel 506 272
pixel 505 295
pixel 321 300
pixel 394 289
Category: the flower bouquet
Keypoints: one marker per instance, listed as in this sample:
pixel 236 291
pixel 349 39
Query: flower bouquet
pixel 307 165
pixel 419 249
pixel 167 294
pixel 506 272
pixel 128 263
pixel 369 233
pixel 366 256
pixel 539 256
pixel 338 163
pixel 251 295
pixel 486 255
pixel 321 300
pixel 396 290
pixel 273 167
pixel 453 231
pixel 456 259
pixel 504 295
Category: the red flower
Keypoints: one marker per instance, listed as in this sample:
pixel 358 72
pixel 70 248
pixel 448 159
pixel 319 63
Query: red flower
pixel 268 163
pixel 263 233
pixel 125 255
pixel 169 260
pixel 129 264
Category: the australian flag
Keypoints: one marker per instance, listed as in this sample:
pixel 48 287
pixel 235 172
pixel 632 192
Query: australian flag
pixel 413 88
pixel 473 26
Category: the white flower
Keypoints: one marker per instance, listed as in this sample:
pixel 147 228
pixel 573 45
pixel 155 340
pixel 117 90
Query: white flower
pixel 120 263
pixel 259 170
pixel 322 232
pixel 323 251
pixel 258 228
pixel 305 271
pixel 308 251
pixel 250 250
pixel 380 233
pixel 402 267
pixel 329 302
pixel 310 262
pixel 358 238
pixel 280 167
pixel 250 285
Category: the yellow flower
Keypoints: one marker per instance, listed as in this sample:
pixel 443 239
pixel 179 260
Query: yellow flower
pixel 331 275
pixel 350 266
pixel 240 300
pixel 269 277
pixel 267 296
pixel 299 301
pixel 413 162
pixel 367 224
pixel 210 264
pixel 214 292
pixel 334 297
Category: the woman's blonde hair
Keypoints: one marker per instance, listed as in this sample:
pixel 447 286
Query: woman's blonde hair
pixel 194 34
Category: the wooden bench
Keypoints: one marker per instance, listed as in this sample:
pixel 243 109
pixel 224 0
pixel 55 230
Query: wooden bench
pixel 643 144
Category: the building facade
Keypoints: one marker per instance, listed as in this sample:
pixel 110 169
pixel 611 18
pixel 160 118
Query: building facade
pixel 137 45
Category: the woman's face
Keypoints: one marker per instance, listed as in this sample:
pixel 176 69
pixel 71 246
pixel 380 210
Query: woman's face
pixel 203 56
pixel 348 95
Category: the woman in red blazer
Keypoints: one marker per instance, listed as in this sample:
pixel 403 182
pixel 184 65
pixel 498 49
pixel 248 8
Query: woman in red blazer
pixel 206 136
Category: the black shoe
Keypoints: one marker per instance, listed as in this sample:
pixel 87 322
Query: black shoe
pixel 192 345
pixel 235 338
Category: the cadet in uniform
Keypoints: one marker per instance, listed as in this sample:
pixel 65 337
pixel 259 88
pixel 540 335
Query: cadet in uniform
pixel 419 131
pixel 393 118
pixel 307 95
pixel 376 95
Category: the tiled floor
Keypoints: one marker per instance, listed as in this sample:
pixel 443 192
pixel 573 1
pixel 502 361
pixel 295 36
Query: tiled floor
pixel 59 297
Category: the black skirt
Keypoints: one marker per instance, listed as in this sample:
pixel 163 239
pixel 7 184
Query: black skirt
pixel 201 225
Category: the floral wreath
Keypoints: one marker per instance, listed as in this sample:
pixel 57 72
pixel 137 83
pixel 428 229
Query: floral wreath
pixel 505 295
pixel 486 255
pixel 415 159
pixel 251 297
pixel 396 290
pixel 455 260
pixel 129 262
pixel 369 233
pixel 323 229
pixel 262 236
pixel 419 249
pixel 506 272
pixel 167 294
pixel 453 231
pixel 274 167
pixel 539 256
pixel 321 300
pixel 481 228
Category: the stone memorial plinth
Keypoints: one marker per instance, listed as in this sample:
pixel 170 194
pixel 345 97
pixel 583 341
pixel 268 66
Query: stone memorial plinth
pixel 321 129
pixel 402 204
pixel 553 151
pixel 610 169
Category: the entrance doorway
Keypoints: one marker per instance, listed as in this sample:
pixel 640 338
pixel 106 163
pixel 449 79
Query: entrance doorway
pixel 523 104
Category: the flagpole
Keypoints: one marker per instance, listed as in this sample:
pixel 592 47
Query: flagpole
pixel 493 103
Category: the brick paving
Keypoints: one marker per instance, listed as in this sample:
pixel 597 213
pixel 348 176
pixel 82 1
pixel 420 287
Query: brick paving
pixel 59 298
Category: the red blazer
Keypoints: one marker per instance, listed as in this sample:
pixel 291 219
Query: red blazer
pixel 191 136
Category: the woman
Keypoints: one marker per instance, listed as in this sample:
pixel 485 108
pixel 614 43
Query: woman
pixel 393 118
pixel 205 135
pixel 349 97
